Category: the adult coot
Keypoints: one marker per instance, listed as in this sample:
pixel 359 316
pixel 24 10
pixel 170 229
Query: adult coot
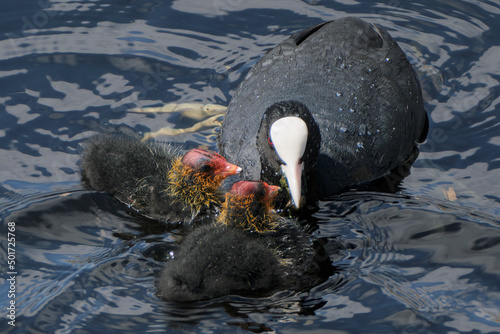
pixel 334 106
pixel 155 179
pixel 249 251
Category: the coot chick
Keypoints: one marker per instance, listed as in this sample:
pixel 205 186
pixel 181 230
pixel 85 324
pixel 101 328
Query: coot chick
pixel 334 106
pixel 249 251
pixel 155 179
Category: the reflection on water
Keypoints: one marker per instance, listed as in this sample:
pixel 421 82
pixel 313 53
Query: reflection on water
pixel 410 262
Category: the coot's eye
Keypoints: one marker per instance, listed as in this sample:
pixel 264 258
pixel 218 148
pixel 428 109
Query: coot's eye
pixel 269 141
pixel 260 193
pixel 205 168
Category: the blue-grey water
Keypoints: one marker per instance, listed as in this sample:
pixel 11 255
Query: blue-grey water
pixel 414 261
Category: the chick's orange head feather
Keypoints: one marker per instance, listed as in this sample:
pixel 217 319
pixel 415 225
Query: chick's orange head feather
pixel 248 205
pixel 261 190
pixel 209 162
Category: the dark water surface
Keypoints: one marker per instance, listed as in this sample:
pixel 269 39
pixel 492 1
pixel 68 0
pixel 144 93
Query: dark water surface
pixel 414 261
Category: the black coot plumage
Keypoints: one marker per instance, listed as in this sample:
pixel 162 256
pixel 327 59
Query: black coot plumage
pixel 214 261
pixel 358 95
pixel 155 179
pixel 249 251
